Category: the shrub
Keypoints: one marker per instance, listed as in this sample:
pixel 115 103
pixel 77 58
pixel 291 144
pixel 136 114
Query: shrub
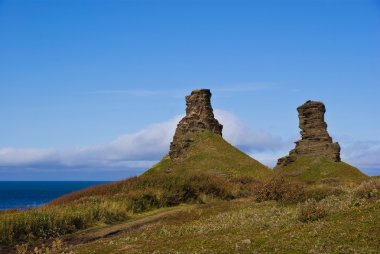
pixel 278 189
pixel 320 192
pixel 331 181
pixel 22 248
pixel 140 202
pixel 57 246
pixel 368 189
pixel 311 210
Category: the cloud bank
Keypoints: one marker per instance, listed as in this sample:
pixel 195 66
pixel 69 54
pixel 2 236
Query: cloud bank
pixel 363 154
pixel 239 135
pixel 140 150
pixel 135 150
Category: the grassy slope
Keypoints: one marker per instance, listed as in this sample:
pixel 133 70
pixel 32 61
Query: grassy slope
pixel 313 170
pixel 268 225
pixel 213 169
pixel 211 153
pixel 243 226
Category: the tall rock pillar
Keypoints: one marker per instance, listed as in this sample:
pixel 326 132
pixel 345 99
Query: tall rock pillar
pixel 315 140
pixel 199 118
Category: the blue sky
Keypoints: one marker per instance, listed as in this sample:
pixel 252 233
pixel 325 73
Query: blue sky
pixel 86 87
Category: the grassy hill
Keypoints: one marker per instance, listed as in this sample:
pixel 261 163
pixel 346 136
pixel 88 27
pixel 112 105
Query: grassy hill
pixel 213 169
pixel 244 226
pixel 211 153
pixel 322 170
pixel 226 201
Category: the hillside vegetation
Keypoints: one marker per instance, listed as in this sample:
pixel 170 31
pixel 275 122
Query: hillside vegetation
pixel 211 153
pixel 123 201
pixel 322 170
pixel 110 203
pixel 223 183
pixel 245 226
pixel 348 222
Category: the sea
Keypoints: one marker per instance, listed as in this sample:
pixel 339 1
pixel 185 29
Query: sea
pixel 25 195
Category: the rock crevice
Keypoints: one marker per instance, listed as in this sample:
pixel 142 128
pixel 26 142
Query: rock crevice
pixel 315 140
pixel 199 118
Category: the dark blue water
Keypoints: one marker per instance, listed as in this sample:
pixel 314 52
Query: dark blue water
pixel 23 195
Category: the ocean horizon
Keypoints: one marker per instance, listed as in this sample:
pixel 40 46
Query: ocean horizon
pixel 31 194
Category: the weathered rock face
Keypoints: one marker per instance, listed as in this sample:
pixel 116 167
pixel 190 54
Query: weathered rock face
pixel 199 118
pixel 315 141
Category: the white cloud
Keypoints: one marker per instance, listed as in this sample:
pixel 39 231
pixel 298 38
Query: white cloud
pixel 238 134
pixel 136 150
pixel 17 157
pixel 142 149
pixel 362 154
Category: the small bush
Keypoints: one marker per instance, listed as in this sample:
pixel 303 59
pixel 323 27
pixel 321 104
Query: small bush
pixel 311 210
pixel 368 190
pixel 22 248
pixel 331 181
pixel 279 190
pixel 57 246
pixel 140 202
pixel 320 192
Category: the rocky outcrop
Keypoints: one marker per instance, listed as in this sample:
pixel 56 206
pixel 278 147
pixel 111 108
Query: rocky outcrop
pixel 199 118
pixel 315 141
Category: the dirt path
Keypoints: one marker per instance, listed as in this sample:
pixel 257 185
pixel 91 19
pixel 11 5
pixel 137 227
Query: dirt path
pixel 96 233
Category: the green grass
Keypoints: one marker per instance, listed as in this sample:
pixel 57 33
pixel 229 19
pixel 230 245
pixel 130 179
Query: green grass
pixel 213 171
pixel 113 203
pixel 245 226
pixel 54 221
pixel 211 153
pixel 317 170
pixel 218 226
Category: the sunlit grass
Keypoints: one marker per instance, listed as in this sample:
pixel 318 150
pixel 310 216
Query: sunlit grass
pixel 214 172
pixel 113 203
pixel 318 170
pixel 211 153
pixel 245 226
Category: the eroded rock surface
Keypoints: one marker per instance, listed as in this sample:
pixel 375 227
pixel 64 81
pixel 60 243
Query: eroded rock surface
pixel 199 118
pixel 315 140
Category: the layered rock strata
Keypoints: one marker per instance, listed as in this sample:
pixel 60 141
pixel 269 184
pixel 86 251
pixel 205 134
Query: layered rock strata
pixel 199 118
pixel 315 140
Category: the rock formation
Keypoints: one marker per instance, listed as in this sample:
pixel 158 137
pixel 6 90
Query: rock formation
pixel 199 118
pixel 315 141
